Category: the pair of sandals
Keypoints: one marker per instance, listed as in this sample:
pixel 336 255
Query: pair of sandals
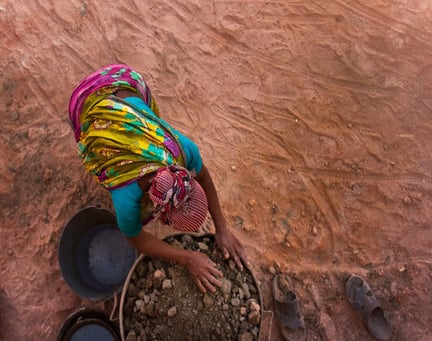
pixel 359 295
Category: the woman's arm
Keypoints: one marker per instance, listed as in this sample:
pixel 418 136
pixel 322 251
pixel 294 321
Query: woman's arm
pixel 201 267
pixel 227 242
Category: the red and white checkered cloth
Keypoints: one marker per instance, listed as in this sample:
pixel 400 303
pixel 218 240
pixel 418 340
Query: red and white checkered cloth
pixel 178 199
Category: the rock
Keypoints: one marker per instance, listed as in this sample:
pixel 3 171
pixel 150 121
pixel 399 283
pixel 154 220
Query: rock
pixel 187 239
pixel 166 284
pixel 139 304
pixel 171 272
pixel 245 336
pixel 254 318
pixel 235 302
pixel 203 246
pixel 131 336
pixel 158 263
pixel 231 264
pixel 177 244
pixel 246 291
pixel 172 311
pixel 158 277
pixel 226 286
pixel 208 301
pixel 243 311
pixel 154 296
pixel 150 309
pixel 244 326
pixel 239 279
pixel 240 294
pixel 254 306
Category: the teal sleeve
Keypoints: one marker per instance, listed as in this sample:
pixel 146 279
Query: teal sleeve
pixel 193 156
pixel 127 205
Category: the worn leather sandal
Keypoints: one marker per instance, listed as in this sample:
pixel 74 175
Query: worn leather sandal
pixel 362 299
pixel 287 311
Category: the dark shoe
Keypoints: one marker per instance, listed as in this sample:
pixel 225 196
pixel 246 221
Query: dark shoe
pixel 286 308
pixel 361 298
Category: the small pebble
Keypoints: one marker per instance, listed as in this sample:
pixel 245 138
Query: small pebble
pixel 139 303
pixel 172 311
pixel 208 301
pixel 226 286
pixel 235 302
pixel 254 306
pixel 246 336
pixel 166 284
pixel 254 318
pixel 203 246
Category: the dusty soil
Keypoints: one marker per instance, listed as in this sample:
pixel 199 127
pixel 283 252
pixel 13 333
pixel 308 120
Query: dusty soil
pixel 163 302
pixel 314 118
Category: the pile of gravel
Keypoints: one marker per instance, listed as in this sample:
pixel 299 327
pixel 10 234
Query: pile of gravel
pixel 163 303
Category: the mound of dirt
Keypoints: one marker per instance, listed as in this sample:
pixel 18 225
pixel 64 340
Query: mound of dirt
pixel 163 302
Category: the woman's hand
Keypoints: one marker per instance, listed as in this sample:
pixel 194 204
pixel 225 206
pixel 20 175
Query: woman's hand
pixel 203 271
pixel 226 241
pixel 231 247
pixel 202 268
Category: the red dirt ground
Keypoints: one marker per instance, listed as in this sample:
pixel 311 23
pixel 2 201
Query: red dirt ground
pixel 314 118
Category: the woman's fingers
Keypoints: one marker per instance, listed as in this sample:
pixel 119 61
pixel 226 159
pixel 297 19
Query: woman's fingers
pixel 237 260
pixel 225 252
pixel 242 256
pixel 215 272
pixel 237 253
pixel 200 285
pixel 209 283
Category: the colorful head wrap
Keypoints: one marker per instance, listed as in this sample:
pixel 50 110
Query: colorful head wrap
pixel 118 142
pixel 178 199
pixel 102 83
